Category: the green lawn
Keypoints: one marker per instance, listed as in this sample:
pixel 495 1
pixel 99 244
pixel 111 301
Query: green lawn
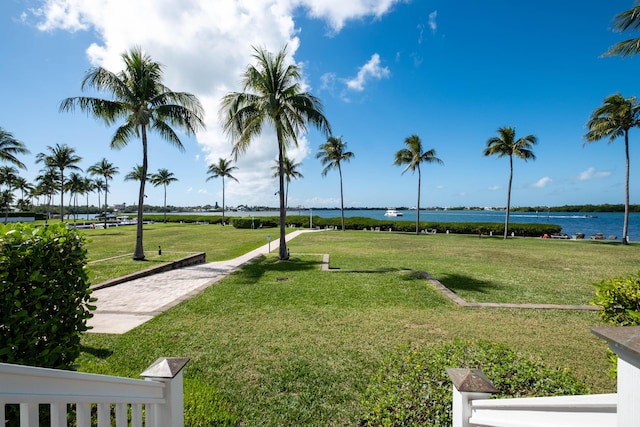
pixel 283 343
pixel 111 250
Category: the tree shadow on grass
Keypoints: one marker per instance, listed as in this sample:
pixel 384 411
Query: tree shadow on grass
pixel 252 272
pixel 459 282
pixel 100 353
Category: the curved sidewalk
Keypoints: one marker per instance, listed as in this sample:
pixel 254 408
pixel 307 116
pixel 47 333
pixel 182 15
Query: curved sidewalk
pixel 122 307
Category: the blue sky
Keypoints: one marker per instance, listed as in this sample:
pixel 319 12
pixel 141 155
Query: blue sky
pixel 452 72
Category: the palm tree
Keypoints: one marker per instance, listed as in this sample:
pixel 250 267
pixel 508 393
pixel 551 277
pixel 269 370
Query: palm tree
pixel 331 154
pixel 290 172
pixel 8 177
pixel 223 170
pixel 615 118
pixel 135 174
pixel 47 185
pixel 163 177
pixel 60 157
pixel 145 104
pixel 629 19
pixel 98 185
pixel 75 186
pixel 412 156
pixel 272 94
pixel 23 185
pixel 107 170
pixel 506 145
pixel 88 185
pixel 9 147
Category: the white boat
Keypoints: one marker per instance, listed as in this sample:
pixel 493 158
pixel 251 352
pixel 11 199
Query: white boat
pixel 392 212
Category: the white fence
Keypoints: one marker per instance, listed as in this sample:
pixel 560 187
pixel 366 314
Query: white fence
pixel 156 401
pixel 473 408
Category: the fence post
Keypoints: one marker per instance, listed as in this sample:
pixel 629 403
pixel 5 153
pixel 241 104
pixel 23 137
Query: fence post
pixel 169 371
pixel 468 385
pixel 625 342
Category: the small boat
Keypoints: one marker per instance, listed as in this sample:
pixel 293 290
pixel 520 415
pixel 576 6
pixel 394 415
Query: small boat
pixel 392 212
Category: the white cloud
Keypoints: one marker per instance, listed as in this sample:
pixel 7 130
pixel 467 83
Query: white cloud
pixel 370 70
pixel 338 12
pixel 494 188
pixel 542 182
pixel 592 173
pixel 205 46
pixel 433 25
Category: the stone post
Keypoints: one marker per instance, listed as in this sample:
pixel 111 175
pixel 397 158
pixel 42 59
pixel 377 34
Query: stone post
pixel 468 385
pixel 169 371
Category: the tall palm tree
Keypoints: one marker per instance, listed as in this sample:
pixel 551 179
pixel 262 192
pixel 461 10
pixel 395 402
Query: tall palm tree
pixel 290 172
pixel 332 153
pixel 272 95
pixel 98 186
pixel 8 177
pixel 135 174
pixel 505 144
pixel 412 156
pixel 9 147
pixel 107 170
pixel 75 186
pixel 88 185
pixel 223 170
pixel 629 19
pixel 145 104
pixel 614 118
pixel 163 177
pixel 47 185
pixel 23 185
pixel 61 157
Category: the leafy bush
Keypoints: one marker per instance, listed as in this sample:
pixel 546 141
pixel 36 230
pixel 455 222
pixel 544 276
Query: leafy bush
pixel 619 298
pixel 44 295
pixel 413 388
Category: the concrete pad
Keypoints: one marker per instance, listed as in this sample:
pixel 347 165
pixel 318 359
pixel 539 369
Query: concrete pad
pixel 116 323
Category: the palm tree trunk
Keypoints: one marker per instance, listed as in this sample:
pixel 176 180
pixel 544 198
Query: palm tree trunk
pixel 341 196
pixel 138 254
pixel 61 194
pixel 283 254
pixel 418 207
pixel 106 192
pixel 506 217
pixel 223 200
pixel 625 226
pixel 165 203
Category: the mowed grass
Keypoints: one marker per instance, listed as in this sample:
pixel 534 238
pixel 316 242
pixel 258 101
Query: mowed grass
pixel 110 250
pixel 284 343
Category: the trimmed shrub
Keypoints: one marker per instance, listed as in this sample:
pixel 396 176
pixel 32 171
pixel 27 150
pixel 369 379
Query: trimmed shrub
pixel 619 298
pixel 44 295
pixel 360 223
pixel 412 387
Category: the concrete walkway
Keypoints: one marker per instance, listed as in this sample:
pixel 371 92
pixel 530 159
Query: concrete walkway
pixel 122 307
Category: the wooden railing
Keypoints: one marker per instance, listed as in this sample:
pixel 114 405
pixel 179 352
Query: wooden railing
pixel 156 401
pixel 472 406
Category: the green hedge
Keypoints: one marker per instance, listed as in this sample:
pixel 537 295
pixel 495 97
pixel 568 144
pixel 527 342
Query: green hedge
pixel 361 223
pixel 412 387
pixel 44 294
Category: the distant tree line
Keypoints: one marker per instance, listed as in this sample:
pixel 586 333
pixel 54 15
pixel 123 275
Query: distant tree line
pixel 580 208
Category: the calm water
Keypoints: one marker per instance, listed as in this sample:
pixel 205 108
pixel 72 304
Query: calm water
pixel 608 223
